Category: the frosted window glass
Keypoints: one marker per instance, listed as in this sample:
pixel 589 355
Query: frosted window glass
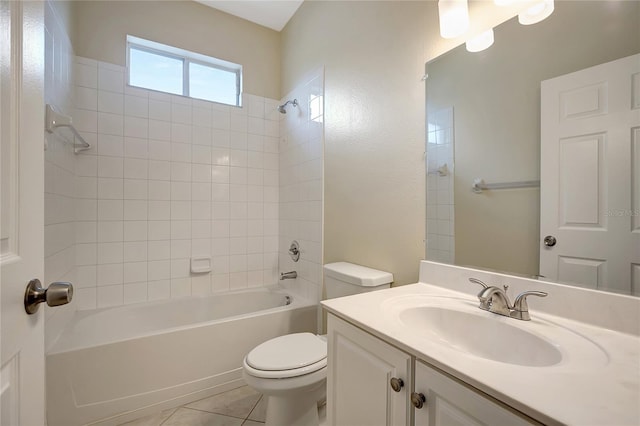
pixel 155 72
pixel 212 84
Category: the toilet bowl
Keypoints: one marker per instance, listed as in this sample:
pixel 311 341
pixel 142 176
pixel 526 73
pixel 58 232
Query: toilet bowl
pixel 291 370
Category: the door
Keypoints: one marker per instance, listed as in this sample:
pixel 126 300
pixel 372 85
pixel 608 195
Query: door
pixel 368 381
pixel 590 177
pixel 442 401
pixel 21 210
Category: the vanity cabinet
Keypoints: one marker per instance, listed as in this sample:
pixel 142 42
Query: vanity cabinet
pixel 447 402
pixel 370 382
pixel 360 370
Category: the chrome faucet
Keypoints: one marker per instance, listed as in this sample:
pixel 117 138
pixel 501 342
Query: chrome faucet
pixel 496 300
pixel 288 275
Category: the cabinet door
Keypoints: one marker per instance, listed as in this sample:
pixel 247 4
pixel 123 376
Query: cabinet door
pixel 360 368
pixel 450 403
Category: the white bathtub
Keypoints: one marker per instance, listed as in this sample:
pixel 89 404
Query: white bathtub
pixel 116 364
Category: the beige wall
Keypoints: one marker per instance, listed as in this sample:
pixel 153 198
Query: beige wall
pixel 496 100
pixel 373 53
pixel 101 27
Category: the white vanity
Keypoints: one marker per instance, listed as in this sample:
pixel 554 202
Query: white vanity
pixel 425 354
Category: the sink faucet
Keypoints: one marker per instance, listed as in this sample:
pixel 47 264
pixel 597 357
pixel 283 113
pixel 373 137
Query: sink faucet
pixel 496 300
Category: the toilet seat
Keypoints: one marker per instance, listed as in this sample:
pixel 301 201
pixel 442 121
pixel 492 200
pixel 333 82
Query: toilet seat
pixel 287 356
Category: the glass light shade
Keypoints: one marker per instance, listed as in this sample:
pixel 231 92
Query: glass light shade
pixel 454 17
pixel 480 42
pixel 503 2
pixel 537 12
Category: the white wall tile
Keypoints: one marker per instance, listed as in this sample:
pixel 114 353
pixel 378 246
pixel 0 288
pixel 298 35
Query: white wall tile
pixel 135 168
pixel 86 98
pixel 172 178
pixel 110 124
pixel 136 189
pixel 110 167
pixel 110 102
pixel 159 290
pixel 159 250
pixel 135 272
pixel 136 127
pixel 135 251
pixel 135 106
pixel 135 230
pixel 110 80
pixel 109 296
pixel 110 145
pixel 110 231
pixel 159 130
pixel 86 75
pixel 135 293
pixel 159 270
pixel 109 274
pixel 136 147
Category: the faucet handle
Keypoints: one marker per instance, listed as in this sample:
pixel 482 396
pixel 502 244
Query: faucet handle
pixel 521 307
pixel 477 281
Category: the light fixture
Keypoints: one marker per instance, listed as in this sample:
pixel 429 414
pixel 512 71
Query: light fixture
pixel 481 41
pixel 536 13
pixel 503 2
pixel 454 17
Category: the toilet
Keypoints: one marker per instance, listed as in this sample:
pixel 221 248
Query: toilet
pixel 291 370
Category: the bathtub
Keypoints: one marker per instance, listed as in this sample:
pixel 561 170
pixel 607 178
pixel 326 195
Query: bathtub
pixel 116 364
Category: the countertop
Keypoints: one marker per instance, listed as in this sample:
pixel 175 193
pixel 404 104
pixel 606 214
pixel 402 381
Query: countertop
pixel 566 393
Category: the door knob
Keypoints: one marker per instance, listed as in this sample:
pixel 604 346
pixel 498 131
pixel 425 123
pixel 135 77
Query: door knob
pixel 550 241
pixel 58 293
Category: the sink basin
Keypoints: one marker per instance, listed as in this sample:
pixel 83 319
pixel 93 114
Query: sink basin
pixel 482 336
pixel 458 324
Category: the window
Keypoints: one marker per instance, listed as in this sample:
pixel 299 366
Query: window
pixel 168 69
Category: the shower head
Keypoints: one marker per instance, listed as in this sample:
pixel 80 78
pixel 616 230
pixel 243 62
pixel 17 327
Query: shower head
pixel 282 109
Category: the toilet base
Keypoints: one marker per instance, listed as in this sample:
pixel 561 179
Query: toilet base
pixel 294 410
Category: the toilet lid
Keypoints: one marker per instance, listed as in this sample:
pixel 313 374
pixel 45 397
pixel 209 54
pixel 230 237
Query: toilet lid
pixel 288 352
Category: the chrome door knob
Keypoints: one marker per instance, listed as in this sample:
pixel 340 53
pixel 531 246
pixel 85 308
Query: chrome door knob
pixel 396 384
pixel 550 241
pixel 418 400
pixel 58 293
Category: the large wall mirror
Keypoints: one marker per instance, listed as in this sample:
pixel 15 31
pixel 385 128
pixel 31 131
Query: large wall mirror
pixel 485 125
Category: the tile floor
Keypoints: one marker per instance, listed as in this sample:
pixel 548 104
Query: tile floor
pixel 238 407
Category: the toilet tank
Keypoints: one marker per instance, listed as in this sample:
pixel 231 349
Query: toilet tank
pixel 344 279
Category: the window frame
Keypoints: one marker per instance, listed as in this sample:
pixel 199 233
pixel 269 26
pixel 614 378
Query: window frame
pixel 187 58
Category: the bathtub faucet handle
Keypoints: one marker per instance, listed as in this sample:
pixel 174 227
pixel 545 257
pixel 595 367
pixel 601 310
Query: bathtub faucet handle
pixel 294 251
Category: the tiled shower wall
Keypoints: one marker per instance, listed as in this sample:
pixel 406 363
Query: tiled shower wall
pixel 440 199
pixel 301 186
pixel 169 179
pixel 59 237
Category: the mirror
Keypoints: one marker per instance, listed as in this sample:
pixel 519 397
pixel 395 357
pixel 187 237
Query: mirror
pixel 484 122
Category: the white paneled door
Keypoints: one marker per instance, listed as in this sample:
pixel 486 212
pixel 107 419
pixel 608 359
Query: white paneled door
pixel 590 177
pixel 21 210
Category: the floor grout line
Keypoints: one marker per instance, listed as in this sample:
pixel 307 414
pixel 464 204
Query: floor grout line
pixel 213 412
pixel 253 408
pixel 169 416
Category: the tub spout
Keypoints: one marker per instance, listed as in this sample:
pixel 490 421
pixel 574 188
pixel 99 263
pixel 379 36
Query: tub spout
pixel 288 275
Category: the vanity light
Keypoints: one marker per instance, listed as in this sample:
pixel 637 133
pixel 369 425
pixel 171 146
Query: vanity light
pixel 503 2
pixel 454 17
pixel 536 13
pixel 480 42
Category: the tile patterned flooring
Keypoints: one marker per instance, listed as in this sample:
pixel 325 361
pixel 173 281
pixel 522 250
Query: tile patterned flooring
pixel 238 407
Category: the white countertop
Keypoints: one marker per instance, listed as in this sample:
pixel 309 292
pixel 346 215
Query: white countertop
pixel 606 393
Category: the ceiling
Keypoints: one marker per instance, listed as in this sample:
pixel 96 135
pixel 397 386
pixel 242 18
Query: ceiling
pixel 272 14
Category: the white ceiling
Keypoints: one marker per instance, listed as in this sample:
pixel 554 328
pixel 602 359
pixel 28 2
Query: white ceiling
pixel 272 14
